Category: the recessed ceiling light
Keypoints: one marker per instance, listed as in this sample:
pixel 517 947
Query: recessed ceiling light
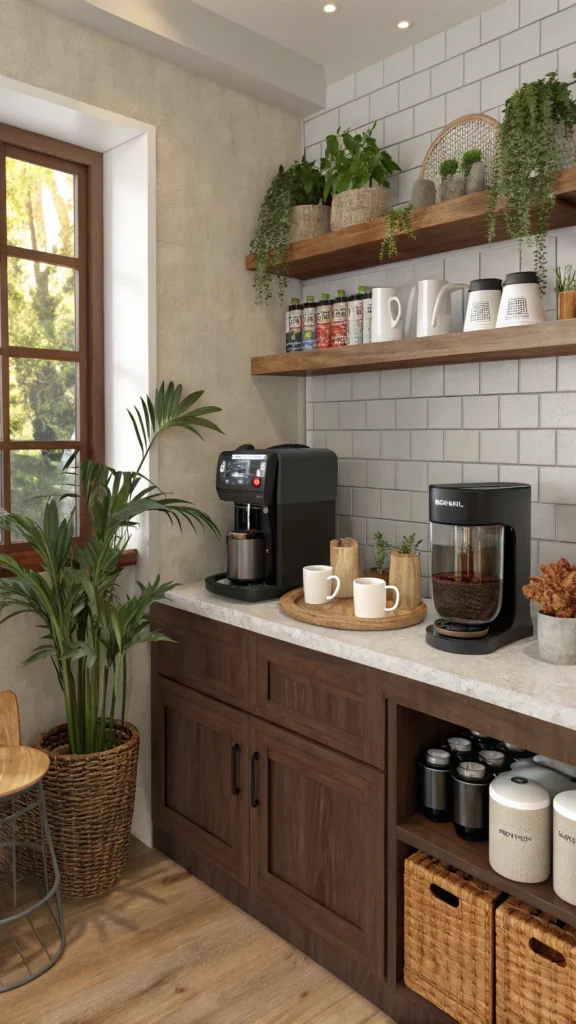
pixel 329 8
pixel 405 24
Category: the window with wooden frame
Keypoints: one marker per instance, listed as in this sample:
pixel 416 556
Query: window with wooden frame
pixel 51 343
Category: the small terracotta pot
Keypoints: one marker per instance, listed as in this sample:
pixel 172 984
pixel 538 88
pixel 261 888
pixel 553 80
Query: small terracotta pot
pixel 567 305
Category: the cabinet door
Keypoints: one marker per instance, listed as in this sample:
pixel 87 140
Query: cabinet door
pixel 200 776
pixel 209 656
pixel 317 840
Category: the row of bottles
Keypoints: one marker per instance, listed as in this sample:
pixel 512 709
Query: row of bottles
pixel 329 323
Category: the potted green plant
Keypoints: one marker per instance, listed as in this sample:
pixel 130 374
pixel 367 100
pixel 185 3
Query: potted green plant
pixel 398 222
pixel 405 573
pixel 538 124
pixel 382 551
pixel 453 185
pixel 357 177
pixel 474 171
pixel 292 209
pixel 566 291
pixel 555 592
pixel 89 628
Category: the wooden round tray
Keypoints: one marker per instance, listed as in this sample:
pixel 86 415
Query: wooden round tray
pixel 339 614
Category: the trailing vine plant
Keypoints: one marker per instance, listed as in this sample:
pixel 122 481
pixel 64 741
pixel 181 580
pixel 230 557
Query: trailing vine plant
pixel 300 184
pixel 398 221
pixel 526 163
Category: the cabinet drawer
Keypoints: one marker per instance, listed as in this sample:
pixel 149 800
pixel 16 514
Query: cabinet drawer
pixel 209 656
pixel 335 702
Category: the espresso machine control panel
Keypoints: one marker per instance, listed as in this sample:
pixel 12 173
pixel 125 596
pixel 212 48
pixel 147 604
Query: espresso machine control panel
pixel 245 476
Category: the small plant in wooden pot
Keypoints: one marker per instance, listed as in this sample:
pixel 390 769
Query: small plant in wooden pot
pixel 566 290
pixel 382 551
pixel 357 177
pixel 405 573
pixel 555 592
pixel 90 625
pixel 453 184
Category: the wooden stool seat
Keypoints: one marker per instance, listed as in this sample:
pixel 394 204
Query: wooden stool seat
pixel 20 768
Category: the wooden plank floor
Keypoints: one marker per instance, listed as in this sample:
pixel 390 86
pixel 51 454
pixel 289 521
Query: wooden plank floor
pixel 162 948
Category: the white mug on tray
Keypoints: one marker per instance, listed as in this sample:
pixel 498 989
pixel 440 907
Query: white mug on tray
pixel 370 598
pixel 317 584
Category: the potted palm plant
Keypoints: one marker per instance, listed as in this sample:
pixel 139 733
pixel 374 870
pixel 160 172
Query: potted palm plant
pixel 357 174
pixel 89 628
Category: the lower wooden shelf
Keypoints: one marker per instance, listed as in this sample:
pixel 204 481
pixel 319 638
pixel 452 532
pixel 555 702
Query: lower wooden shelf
pixel 442 842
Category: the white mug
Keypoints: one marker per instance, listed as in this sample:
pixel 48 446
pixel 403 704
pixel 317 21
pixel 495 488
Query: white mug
pixel 370 598
pixel 386 315
pixel 317 584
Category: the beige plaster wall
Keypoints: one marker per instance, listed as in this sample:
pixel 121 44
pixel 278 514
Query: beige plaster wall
pixel 217 149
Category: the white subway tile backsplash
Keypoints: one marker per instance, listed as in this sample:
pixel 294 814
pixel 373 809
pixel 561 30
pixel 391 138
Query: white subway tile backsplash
pixel 411 413
pixel 558 485
pixel 465 36
pixel 365 501
pixel 314 153
pixel 462 445
pixel 447 76
pixel 480 411
pixel 566 523
pixel 412 152
pixel 315 389
pixel 405 182
pixel 519 410
pixel 566 62
pixel 558 410
pixel 369 79
pixel 318 128
pixel 497 88
pixel 558 30
pixel 544 521
pixel 340 92
pixel 538 447
pixel 344 501
pixel 431 51
pixel 499 446
pixel 352 472
pixel 406 530
pixel 521 475
pixel 352 415
pixel 366 385
pixel 481 62
pixel 520 46
pixel 567 373
pixel 419 507
pixel 415 89
pixel 499 378
pixel 537 68
pixel 340 441
pixel 566 447
pixel 498 20
pixel 444 473
pixel 366 444
pixel 400 65
pixel 462 101
pixel 315 438
pixel 479 473
pixel 326 416
pixel 395 504
pixel 381 414
pixel 550 551
pixel 537 375
pixel 462 379
pixel 399 126
pixel 339 388
pixel 429 116
pixel 445 413
pixel 381 474
pixel 395 384
pixel 395 444
pixel 427 381
pixel 354 115
pixel 384 526
pixel 533 10
pixel 384 102
pixel 412 476
pixel 427 445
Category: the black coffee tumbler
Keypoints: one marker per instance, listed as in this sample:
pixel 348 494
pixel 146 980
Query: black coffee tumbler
pixel 435 784
pixel 471 781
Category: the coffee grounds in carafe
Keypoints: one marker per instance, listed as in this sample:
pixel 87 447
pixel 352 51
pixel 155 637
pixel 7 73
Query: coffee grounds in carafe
pixel 466 598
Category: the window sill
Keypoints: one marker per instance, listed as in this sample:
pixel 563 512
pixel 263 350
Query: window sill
pixel 30 559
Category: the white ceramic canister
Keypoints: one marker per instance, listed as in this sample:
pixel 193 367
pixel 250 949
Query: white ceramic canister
pixel 483 304
pixel 564 846
pixel 519 844
pixel 521 301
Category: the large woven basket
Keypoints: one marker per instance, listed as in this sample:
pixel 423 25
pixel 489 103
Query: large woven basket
pixel 357 206
pixel 449 939
pixel 535 967
pixel 90 803
pixel 309 222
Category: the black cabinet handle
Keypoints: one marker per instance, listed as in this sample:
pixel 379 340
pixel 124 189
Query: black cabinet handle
pixel 254 801
pixel 235 786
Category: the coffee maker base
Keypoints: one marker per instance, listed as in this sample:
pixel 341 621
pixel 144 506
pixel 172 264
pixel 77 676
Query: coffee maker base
pixel 223 587
pixel 477 645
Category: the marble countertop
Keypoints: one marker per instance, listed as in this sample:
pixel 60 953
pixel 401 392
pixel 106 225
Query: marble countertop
pixel 513 677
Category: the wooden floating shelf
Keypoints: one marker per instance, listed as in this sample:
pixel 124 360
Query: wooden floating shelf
pixel 556 338
pixel 441 841
pixel 444 227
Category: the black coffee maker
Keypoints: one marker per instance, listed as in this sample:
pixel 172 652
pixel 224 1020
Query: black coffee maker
pixel 480 551
pixel 284 518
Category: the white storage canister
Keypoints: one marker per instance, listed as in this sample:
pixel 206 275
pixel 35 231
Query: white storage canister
pixel 564 830
pixel 520 829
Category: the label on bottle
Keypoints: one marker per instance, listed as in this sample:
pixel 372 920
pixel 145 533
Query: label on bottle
pixel 294 330
pixel 309 328
pixel 338 325
pixel 323 326
pixel 367 322
pixel 355 321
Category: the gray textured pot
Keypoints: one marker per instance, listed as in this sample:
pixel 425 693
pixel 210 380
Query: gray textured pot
pixel 453 187
pixel 476 180
pixel 557 640
pixel 423 193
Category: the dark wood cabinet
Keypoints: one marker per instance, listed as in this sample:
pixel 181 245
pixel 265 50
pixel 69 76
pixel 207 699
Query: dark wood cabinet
pixel 317 840
pixel 200 777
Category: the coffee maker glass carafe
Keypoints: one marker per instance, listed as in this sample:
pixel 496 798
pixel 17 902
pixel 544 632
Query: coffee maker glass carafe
pixel 467 572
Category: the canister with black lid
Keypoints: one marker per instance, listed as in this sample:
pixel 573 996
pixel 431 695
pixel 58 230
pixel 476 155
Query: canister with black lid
pixel 471 781
pixel 435 784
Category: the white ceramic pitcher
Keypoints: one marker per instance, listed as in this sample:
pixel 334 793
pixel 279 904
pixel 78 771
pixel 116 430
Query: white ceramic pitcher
pixel 386 315
pixel 434 308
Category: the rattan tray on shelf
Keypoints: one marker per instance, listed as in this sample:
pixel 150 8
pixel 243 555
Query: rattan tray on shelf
pixel 339 614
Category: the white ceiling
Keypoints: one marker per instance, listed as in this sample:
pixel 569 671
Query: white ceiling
pixel 359 34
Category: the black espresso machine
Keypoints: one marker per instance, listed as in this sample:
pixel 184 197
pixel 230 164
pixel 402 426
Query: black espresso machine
pixel 284 518
pixel 480 558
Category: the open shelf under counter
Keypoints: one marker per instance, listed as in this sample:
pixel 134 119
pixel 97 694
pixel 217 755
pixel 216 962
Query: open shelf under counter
pixel 442 842
pixel 444 227
pixel 558 337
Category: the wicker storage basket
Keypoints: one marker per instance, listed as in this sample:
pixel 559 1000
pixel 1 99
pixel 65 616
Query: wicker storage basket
pixel 90 802
pixel 309 221
pixel 449 939
pixel 357 206
pixel 535 967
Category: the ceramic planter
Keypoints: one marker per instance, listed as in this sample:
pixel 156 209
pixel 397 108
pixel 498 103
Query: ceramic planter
pixel 357 206
pixel 452 187
pixel 557 640
pixel 423 193
pixel 309 221
pixel 567 305
pixel 476 180
pixel 405 574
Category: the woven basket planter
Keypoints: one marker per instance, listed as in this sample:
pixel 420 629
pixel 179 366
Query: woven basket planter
pixel 90 802
pixel 357 206
pixel 309 221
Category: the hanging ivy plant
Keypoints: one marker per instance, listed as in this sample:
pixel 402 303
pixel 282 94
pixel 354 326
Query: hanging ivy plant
pixel 398 221
pixel 536 117
pixel 300 184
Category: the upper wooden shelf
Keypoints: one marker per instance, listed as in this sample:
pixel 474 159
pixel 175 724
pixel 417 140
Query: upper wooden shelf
pixel 556 338
pixel 454 224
